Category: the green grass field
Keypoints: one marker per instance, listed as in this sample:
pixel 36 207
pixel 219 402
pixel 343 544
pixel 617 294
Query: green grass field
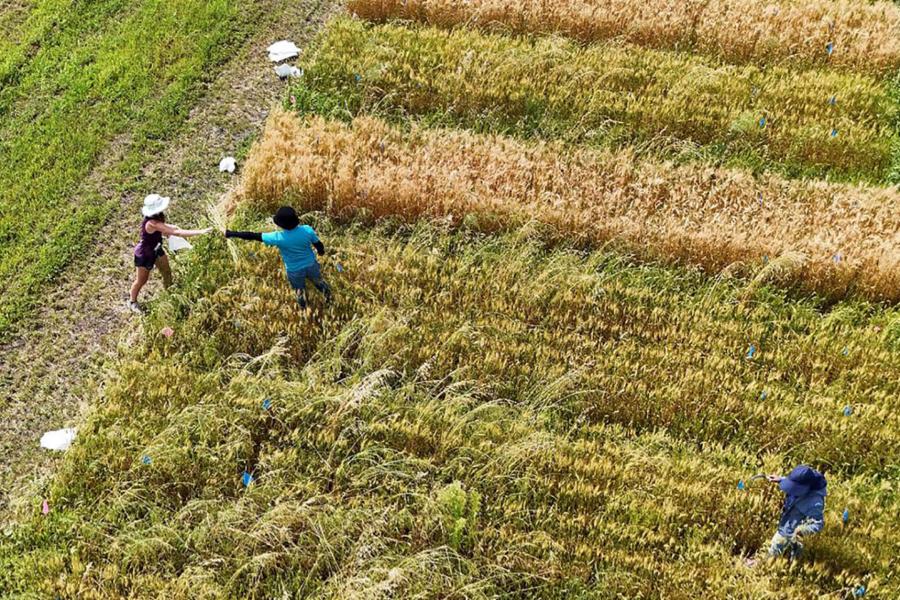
pixel 484 412
pixel 87 84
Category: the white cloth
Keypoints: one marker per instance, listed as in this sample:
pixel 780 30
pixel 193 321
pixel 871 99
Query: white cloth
pixel 284 71
pixel 178 243
pixel 282 50
pixel 59 439
pixel 227 164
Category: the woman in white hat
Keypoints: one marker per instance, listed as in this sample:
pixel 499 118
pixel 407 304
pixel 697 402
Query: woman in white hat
pixel 149 251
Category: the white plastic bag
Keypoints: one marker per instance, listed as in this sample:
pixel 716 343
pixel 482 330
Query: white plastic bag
pixel 178 243
pixel 284 71
pixel 282 50
pixel 60 439
pixel 227 164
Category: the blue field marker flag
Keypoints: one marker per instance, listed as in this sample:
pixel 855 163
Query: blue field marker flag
pixel 741 485
pixel 246 479
pixel 751 351
pixel 845 516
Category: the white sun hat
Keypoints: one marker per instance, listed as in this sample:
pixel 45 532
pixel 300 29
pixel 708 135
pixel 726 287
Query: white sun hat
pixel 154 204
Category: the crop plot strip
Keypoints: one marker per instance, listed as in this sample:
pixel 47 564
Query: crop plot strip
pixel 541 380
pixel 842 238
pixel 864 36
pixel 609 95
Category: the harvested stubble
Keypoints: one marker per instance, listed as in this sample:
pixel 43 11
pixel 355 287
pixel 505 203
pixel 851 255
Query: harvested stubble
pixel 491 362
pixel 606 95
pixel 864 36
pixel 832 238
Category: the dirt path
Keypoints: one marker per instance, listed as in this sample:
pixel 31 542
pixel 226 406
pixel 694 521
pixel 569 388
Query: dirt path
pixel 50 372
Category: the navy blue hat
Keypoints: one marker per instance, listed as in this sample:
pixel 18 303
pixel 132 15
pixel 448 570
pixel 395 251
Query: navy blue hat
pixel 802 480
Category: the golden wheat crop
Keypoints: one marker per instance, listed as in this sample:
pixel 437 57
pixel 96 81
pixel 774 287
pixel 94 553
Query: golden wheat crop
pixel 608 94
pixel 864 36
pixel 842 238
pixel 477 413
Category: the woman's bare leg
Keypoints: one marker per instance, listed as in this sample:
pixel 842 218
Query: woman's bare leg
pixel 163 263
pixel 140 279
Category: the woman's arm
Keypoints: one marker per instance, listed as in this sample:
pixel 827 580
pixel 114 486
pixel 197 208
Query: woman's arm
pixel 244 235
pixel 167 230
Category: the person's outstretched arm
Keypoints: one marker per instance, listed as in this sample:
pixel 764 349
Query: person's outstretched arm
pixel 168 230
pixel 320 247
pixel 244 235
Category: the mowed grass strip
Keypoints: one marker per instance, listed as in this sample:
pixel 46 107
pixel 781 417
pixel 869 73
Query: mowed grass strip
pixel 612 95
pixel 538 380
pixel 864 36
pixel 834 239
pixel 86 75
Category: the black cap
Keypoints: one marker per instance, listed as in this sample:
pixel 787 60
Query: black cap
pixel 286 218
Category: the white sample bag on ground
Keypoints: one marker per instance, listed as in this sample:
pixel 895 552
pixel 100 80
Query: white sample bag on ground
pixel 227 164
pixel 282 50
pixel 284 71
pixel 178 243
pixel 60 439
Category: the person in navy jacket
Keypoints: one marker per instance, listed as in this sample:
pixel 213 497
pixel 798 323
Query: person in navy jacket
pixel 803 513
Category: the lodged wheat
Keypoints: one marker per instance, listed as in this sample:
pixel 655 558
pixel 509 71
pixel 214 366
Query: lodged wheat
pixel 610 94
pixel 864 36
pixel 472 413
pixel 847 237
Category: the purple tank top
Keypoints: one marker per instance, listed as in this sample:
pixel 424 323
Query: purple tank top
pixel 149 243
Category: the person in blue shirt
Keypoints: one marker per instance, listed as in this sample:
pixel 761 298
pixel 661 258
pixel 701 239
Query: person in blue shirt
pixel 296 243
pixel 803 512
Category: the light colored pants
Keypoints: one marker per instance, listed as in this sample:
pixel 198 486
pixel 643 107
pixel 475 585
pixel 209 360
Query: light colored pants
pixel 792 546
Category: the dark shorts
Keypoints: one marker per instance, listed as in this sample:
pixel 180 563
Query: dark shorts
pixel 298 278
pixel 147 262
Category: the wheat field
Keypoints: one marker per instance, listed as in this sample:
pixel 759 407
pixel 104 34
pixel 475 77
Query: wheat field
pixel 476 414
pixel 838 238
pixel 864 36
pixel 605 94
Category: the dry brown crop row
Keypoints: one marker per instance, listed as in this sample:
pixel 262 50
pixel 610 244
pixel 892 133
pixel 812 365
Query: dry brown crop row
pixel 863 36
pixel 833 238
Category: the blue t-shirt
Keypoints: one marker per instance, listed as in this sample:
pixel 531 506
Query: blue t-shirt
pixel 295 246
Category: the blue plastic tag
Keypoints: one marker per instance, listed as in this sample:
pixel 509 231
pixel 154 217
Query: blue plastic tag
pixel 763 395
pixel 741 485
pixel 829 48
pixel 267 404
pixel 846 516
pixel 848 410
pixel 339 267
pixel 845 351
pixel 246 479
pixel 834 133
pixel 751 352
pixel 762 122
pixel 146 460
pixel 833 100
